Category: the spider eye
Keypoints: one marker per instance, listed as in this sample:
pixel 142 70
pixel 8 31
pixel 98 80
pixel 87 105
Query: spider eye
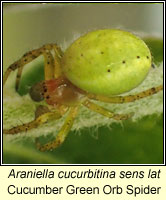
pixel 36 92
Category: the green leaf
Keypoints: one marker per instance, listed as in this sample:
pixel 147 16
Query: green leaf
pixel 156 47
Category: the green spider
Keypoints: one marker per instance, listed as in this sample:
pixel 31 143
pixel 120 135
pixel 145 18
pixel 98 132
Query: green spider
pixel 99 65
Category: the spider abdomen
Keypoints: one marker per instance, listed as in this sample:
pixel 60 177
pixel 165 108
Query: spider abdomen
pixel 107 62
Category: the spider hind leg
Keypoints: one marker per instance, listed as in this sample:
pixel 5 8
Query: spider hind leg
pixel 42 115
pixel 96 108
pixel 129 98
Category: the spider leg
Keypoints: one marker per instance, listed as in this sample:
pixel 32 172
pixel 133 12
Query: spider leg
pixel 42 115
pixel 48 65
pixel 61 136
pixel 18 77
pixel 126 99
pixel 57 60
pixel 31 55
pixel 96 108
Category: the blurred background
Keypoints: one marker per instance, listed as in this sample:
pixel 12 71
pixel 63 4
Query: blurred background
pixel 27 26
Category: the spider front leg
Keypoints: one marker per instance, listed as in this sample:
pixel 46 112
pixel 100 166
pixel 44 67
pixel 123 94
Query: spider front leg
pixel 50 63
pixel 61 136
pixel 42 115
pixel 105 112
pixel 127 99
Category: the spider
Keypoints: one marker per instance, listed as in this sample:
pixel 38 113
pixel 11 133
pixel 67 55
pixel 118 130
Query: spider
pixel 99 65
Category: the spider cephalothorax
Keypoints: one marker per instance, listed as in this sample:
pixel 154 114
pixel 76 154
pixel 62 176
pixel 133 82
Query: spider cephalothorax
pixel 99 65
pixel 58 91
